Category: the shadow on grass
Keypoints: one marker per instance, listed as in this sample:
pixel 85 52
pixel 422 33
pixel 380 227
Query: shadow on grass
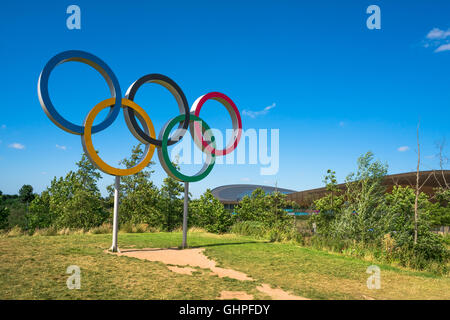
pixel 193 247
pixel 226 244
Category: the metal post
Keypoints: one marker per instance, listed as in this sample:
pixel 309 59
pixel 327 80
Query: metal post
pixel 185 214
pixel 116 214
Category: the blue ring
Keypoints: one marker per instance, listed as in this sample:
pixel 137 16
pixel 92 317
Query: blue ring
pixel 96 63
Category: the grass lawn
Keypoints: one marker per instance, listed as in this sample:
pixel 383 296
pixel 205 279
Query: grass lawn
pixel 35 268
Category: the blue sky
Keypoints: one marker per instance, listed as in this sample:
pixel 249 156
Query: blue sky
pixel 337 89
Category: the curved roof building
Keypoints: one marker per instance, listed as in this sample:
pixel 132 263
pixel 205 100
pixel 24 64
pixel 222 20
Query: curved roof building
pixel 233 193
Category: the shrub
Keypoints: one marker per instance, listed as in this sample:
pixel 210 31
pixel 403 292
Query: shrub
pixel 15 231
pixel 283 231
pixel 141 205
pixel 280 232
pixel 51 231
pixel 266 208
pixel 250 228
pixel 83 210
pixel 128 227
pixel 4 214
pixel 39 215
pixel 429 249
pixel 209 213
pixel 103 229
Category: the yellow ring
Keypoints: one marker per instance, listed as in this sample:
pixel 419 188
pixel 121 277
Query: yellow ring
pixel 86 138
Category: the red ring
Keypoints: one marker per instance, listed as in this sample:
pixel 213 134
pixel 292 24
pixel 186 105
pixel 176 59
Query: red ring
pixel 224 100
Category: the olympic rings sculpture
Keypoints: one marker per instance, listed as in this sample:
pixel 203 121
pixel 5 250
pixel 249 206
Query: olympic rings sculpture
pixel 188 119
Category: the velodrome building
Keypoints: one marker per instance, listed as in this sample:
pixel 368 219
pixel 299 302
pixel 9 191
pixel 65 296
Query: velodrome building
pixel 230 195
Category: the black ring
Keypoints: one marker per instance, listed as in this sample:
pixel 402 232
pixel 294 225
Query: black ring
pixel 176 91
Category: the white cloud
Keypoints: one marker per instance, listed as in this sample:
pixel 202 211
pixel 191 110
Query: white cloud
pixel 17 146
pixel 61 147
pixel 438 34
pixel 443 47
pixel 403 149
pixel 439 39
pixel 254 114
pixel 245 179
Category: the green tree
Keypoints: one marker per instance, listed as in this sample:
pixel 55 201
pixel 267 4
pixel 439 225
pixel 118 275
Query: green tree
pixel 4 213
pixel 39 215
pixel 266 208
pixel 170 204
pixel 399 209
pixel 277 205
pixel 400 218
pixel 142 206
pixel 329 205
pixel 73 201
pixel 129 184
pixel 84 210
pixel 87 175
pixel 139 198
pixel 26 194
pixel 331 185
pixel 209 213
pixel 361 216
pixel 253 207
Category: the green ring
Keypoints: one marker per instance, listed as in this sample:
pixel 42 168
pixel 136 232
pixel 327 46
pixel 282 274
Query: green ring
pixel 163 153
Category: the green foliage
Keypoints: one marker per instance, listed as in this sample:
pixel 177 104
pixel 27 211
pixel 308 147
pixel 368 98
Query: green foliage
pixel 365 220
pixel 266 208
pixel 267 213
pixel 4 214
pixel 279 232
pixel 250 228
pixel 170 204
pixel 139 198
pixel 39 212
pixel 141 206
pixel 399 210
pixel 326 208
pixel 400 217
pixel 26 194
pixel 83 211
pixel 441 209
pixel 70 202
pixel 130 184
pixel 361 218
pixel 355 214
pixel 440 216
pixel 210 214
pixel 443 196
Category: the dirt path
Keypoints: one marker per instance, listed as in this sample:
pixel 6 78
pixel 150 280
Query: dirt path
pixel 182 261
pixel 187 257
pixel 278 294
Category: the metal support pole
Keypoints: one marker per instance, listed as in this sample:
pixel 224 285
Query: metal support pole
pixel 116 214
pixel 185 214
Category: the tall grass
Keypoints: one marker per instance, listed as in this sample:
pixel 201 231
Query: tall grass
pixel 384 251
pixel 277 233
